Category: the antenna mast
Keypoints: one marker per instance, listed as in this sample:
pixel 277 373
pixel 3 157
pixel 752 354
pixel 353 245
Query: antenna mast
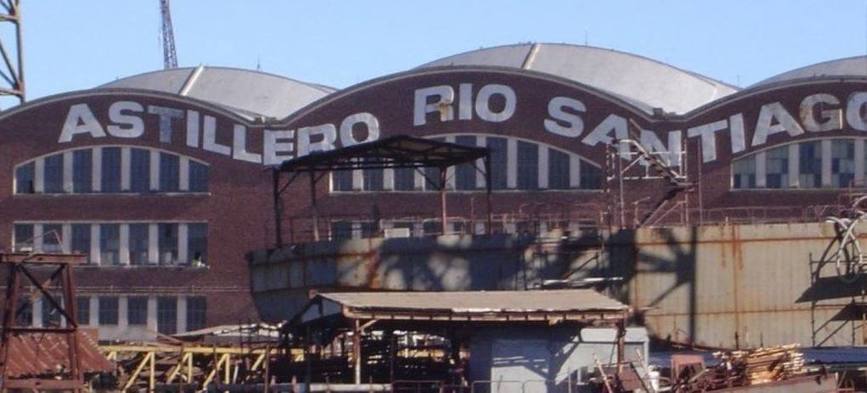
pixel 170 57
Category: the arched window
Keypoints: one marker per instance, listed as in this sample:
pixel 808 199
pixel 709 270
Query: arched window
pixel 111 169
pixel 516 164
pixel 818 163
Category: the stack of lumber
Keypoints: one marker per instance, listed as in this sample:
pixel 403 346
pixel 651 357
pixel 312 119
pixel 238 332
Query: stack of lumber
pixel 763 365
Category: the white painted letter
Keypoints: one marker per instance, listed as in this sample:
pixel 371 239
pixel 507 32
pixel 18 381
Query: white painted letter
pixel 166 116
pixel 239 146
pixel 736 131
pixel 708 139
pixel 443 105
pixel 80 120
pixel 855 111
pixel 210 138
pixel 574 124
pixel 347 138
pixel 273 146
pixel 602 132
pixel 669 154
pixel 483 103
pixel 305 146
pixel 135 125
pixel 774 119
pixel 832 118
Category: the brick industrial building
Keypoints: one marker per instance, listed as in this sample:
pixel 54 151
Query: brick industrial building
pixel 161 178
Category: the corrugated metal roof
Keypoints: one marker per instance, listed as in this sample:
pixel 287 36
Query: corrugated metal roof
pixel 553 301
pixel 44 354
pixel 645 82
pixel 850 66
pixel 248 93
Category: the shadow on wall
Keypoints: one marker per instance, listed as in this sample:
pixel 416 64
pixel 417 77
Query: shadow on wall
pixel 283 278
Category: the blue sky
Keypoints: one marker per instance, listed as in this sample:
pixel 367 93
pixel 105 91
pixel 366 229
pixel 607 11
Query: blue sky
pixel 72 45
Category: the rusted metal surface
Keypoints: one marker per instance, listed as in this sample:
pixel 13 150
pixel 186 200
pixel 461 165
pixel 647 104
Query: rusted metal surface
pixel 51 356
pixel 45 354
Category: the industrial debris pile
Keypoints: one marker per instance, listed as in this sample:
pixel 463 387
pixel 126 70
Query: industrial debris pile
pixel 758 366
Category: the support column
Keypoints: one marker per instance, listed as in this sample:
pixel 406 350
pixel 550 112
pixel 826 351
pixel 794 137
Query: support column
pixel 96 178
pixel 124 244
pixel 356 351
pixel 67 172
pixel 443 213
pixel 794 165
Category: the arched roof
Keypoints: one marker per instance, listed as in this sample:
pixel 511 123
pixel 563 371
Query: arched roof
pixel 249 93
pixel 849 66
pixel 643 81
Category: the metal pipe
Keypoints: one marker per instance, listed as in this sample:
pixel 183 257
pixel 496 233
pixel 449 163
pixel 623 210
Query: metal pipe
pixel 278 214
pixel 315 208
pixel 488 189
pixel 443 214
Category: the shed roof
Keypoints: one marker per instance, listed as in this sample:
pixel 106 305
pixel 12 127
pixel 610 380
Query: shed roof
pixel 500 306
pixel 399 151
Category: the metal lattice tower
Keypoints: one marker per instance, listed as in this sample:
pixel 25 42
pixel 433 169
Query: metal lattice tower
pixel 170 57
pixel 12 69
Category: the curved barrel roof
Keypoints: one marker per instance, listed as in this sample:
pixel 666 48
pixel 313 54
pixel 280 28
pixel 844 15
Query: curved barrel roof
pixel 646 82
pixel 849 66
pixel 249 93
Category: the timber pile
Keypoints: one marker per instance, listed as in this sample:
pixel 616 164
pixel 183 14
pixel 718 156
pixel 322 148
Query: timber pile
pixel 762 365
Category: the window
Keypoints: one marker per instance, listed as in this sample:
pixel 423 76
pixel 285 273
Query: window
pixel 52 238
pixel 432 175
pixel 167 241
pixel 196 312
pixel 24 179
pixel 372 178
pixel 169 172
pixel 54 174
pixel 24 312
pixel 139 241
pixel 842 162
pixel 744 173
pixel 341 230
pixel 108 307
pixel 197 243
pixel 341 180
pixel 23 237
pixel 110 181
pixel 137 310
pixel 591 177
pixel 777 168
pixel 528 166
pixel 140 170
pixel 810 164
pixel 498 148
pixel 558 170
pixel 80 242
pixel 465 174
pixel 82 171
pixel 167 315
pixel 82 305
pixel 404 179
pixel 109 244
pixel 198 177
pixel 50 314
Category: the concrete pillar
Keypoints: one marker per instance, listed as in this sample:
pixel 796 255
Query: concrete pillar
pixel 543 166
pixel 574 171
pixel 125 169
pixel 182 314
pixel 38 239
pixel 94 244
pixel 96 178
pixel 155 170
pixel 859 162
pixel 67 171
pixel 183 251
pixel 122 312
pixel 794 165
pixel 826 163
pixel 39 175
pixel 184 176
pixel 152 313
pixel 124 244
pixel 153 245
pixel 94 311
pixel 36 311
pixel 761 169
pixel 512 163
